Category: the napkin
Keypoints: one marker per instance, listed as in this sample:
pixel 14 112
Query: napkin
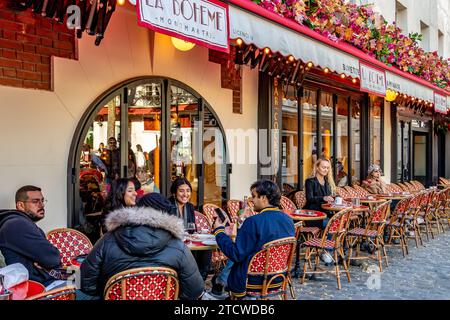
pixel 14 274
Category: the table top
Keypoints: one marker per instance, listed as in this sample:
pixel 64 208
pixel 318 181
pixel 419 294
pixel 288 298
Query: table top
pixel 330 207
pixel 393 196
pixel 26 289
pixel 374 200
pixel 306 215
pixel 199 246
pixel 198 242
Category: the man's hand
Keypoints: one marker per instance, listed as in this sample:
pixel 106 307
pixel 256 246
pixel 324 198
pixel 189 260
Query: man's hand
pixel 218 224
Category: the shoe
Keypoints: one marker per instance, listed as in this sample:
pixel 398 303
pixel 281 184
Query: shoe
pixel 217 288
pixel 420 220
pixel 208 296
pixel 411 233
pixel 326 258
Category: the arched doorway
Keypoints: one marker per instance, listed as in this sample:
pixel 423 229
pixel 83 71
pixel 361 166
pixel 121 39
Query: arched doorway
pixel 151 128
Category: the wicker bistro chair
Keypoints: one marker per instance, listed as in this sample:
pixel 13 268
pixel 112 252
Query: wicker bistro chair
pixel 287 204
pixel 396 226
pixel 419 186
pixel 352 192
pixel 148 283
pixel 411 215
pixel 431 213
pixel 272 264
pixel 361 191
pixel 70 243
pixel 209 211
pixel 395 188
pixel 218 259
pixel 444 208
pixel 335 230
pixel 424 214
pixel 373 233
pixel 202 222
pixel 300 199
pixel 233 207
pixel 343 193
pixel 63 293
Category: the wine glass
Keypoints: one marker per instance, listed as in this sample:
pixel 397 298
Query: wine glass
pixel 190 227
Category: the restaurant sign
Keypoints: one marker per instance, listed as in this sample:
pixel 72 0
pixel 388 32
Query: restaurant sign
pixel 440 103
pixel 373 80
pixel 204 22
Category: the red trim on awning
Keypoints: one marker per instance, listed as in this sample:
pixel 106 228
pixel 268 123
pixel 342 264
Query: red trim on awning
pixel 345 47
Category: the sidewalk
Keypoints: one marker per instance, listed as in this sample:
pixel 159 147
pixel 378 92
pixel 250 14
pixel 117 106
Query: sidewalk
pixel 423 274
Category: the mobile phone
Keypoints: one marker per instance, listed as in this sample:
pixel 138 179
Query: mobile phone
pixel 221 215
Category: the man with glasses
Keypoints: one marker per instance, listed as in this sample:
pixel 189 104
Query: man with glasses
pixel 111 158
pixel 22 241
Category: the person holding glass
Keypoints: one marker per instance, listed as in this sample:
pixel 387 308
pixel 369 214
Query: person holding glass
pixel 320 189
pixel 181 191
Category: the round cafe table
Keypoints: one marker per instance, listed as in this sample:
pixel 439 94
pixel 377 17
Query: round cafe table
pixel 337 208
pixel 26 289
pixel 303 215
pixel 393 196
pixel 199 245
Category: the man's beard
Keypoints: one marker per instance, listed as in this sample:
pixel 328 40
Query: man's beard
pixel 34 217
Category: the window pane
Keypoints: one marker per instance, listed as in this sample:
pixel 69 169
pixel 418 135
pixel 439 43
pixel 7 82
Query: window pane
pixel 376 108
pixel 144 135
pixel 99 164
pixel 185 147
pixel 309 131
pixel 356 140
pixel 290 142
pixel 342 142
pixel 326 124
pixel 214 159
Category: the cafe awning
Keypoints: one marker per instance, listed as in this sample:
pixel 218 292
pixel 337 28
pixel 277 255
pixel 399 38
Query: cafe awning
pixel 264 29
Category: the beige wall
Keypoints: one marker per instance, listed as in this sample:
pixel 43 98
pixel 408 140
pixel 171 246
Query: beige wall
pixel 37 127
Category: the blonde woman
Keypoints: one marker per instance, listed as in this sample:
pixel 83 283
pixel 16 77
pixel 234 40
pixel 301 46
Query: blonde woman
pixel 320 187
pixel 373 183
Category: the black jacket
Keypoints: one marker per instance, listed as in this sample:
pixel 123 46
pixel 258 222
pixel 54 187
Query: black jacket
pixel 22 241
pixel 315 192
pixel 141 237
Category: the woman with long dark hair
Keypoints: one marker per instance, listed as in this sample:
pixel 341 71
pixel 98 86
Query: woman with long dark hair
pixel 121 195
pixel 181 191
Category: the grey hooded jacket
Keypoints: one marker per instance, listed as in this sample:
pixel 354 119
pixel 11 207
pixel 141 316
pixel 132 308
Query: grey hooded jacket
pixel 141 237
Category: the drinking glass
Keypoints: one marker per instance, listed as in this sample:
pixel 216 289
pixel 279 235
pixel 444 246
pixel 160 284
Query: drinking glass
pixel 190 227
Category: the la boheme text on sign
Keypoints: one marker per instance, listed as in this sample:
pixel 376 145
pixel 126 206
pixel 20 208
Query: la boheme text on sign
pixel 191 11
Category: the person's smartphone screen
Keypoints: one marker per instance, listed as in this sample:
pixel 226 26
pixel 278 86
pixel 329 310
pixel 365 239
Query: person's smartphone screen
pixel 221 215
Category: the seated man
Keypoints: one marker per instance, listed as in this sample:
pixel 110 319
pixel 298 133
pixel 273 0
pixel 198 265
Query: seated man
pixel 22 241
pixel 270 224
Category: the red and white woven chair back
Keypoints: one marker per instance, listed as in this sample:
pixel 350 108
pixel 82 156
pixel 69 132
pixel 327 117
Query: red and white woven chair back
pixel 380 212
pixel 342 192
pixel 287 204
pixel 70 243
pixel 401 206
pixel 202 222
pixel 390 188
pixel 416 200
pixel 300 199
pixel 233 207
pixel 209 211
pixel 396 188
pixel 337 224
pixel 352 192
pixel 361 191
pixel 275 257
pixel 63 293
pixel 149 283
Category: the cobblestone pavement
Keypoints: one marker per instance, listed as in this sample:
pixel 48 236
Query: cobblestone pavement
pixel 423 274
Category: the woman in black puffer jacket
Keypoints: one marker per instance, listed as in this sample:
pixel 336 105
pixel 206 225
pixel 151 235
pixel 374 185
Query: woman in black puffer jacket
pixel 141 237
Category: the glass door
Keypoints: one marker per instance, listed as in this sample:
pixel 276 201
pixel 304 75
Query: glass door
pixel 144 135
pixel 185 139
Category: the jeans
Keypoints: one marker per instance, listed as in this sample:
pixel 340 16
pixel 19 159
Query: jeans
pixel 222 278
pixel 83 296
